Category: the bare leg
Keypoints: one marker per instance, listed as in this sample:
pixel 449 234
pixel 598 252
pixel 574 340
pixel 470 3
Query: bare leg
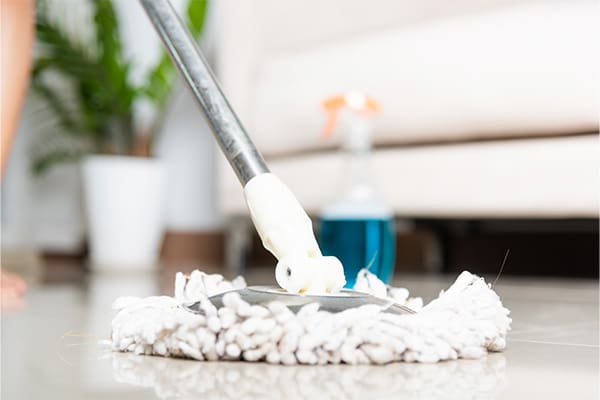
pixel 12 291
pixel 17 49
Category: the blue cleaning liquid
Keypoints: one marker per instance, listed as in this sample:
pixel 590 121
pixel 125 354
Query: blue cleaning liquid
pixel 360 243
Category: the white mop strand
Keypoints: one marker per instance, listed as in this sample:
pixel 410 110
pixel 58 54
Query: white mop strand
pixel 466 321
pixel 368 282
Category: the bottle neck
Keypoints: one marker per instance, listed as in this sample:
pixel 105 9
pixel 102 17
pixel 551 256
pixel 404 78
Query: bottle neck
pixel 358 176
pixel 357 148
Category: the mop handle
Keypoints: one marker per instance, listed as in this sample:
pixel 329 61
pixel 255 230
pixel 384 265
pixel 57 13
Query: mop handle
pixel 235 143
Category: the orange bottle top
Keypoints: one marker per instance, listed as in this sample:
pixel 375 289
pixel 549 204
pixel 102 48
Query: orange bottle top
pixel 355 101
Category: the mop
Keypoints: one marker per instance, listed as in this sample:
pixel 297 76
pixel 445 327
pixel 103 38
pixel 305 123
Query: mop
pixel 465 321
pixel 309 319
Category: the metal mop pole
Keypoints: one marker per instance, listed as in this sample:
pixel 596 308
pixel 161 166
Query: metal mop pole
pixel 241 153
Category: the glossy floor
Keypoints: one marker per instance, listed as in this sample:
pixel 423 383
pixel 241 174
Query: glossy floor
pixel 50 350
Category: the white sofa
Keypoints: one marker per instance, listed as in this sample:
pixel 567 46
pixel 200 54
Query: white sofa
pixel 489 108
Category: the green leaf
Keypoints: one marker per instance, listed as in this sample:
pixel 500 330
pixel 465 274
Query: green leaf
pixel 60 53
pixel 109 45
pixel 160 78
pixel 115 70
pixel 196 15
pixel 43 163
pixel 56 104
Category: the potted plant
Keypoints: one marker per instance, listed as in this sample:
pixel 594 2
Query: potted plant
pixel 107 121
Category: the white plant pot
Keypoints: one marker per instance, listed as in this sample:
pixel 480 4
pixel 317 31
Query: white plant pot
pixel 124 199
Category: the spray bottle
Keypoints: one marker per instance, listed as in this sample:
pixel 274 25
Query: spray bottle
pixel 358 227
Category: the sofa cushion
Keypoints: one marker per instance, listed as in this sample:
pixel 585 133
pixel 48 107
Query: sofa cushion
pixel 529 178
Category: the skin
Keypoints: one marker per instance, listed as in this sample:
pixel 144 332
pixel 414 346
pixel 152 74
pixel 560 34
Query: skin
pixel 17 34
pixel 17 48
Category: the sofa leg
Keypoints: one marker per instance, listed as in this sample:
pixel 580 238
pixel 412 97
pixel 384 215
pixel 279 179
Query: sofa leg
pixel 437 245
pixel 436 252
pixel 237 243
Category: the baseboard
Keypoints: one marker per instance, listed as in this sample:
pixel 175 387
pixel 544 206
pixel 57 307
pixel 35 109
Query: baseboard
pixel 205 247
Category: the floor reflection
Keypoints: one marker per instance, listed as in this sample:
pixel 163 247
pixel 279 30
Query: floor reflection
pixel 170 379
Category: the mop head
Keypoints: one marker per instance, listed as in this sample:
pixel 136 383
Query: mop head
pixel 465 321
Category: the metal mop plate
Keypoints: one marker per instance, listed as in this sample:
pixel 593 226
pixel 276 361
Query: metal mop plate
pixel 337 302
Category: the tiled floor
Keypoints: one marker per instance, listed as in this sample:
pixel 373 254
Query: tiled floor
pixel 50 350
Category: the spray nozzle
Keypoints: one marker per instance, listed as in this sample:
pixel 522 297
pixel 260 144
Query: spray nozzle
pixel 357 102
